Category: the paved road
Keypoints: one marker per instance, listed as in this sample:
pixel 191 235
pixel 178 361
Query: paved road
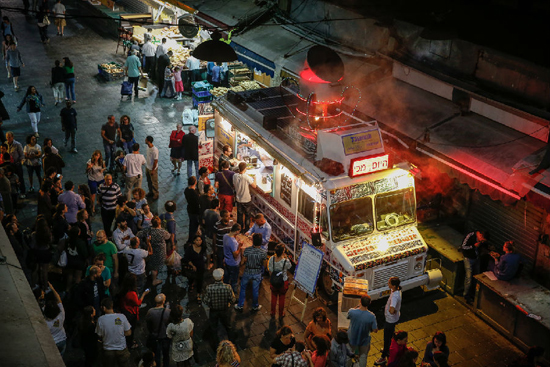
pixel 471 341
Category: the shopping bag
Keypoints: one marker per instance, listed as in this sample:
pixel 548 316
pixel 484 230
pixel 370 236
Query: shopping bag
pixel 174 260
pixel 62 262
pixel 126 88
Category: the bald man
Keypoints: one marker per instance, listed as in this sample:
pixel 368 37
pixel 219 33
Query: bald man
pixel 91 291
pixel 157 320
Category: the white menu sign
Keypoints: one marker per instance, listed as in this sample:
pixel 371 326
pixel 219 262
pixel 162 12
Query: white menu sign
pixel 308 268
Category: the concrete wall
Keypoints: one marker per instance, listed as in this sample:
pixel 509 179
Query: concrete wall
pixel 25 339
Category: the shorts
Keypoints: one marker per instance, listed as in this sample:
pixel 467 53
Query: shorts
pixel 179 86
pixel 60 22
pixel 15 71
pixel 93 185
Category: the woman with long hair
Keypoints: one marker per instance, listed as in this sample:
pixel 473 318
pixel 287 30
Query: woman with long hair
pixel 176 148
pixel 319 325
pixel 226 355
pixel 180 330
pixel 398 348
pixel 195 257
pixel 60 226
pixel 5 46
pixel 88 336
pixel 126 133
pixel 438 344
pixel 69 79
pixel 130 304
pixel 84 192
pixel 94 170
pixel 409 358
pixel 34 101
pixel 77 253
pixel 138 197
pixel 33 152
pixel 41 244
pixel 322 348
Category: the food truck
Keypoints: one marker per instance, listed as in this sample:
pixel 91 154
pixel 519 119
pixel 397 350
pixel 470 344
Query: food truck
pixel 334 188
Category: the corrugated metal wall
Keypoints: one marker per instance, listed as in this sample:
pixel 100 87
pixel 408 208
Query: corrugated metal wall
pixel 520 223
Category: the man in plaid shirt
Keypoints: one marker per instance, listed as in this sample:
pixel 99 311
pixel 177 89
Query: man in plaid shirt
pixel 299 357
pixel 218 297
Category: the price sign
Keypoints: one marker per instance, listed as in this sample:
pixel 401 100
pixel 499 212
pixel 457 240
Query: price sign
pixel 308 268
pixel 364 166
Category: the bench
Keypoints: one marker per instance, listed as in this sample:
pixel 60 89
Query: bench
pixel 506 306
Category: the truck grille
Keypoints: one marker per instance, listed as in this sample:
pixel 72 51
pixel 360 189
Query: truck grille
pixel 382 275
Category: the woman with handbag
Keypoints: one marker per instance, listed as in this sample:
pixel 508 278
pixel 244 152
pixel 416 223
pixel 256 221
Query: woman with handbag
pixel 126 134
pixel 180 330
pixel 278 265
pixel 176 148
pixel 158 237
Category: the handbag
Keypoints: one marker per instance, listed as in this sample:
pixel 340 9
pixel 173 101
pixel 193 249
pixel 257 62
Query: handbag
pixel 46 20
pixel 62 262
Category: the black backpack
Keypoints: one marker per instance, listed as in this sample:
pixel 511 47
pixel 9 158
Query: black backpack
pixel 277 278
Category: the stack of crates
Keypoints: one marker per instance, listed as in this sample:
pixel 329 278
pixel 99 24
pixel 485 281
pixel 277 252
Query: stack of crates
pixel 201 92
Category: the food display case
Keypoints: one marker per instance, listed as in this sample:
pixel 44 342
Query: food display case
pixel 258 162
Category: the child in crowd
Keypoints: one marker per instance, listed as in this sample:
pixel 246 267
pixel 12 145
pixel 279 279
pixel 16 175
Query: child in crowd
pixel 178 82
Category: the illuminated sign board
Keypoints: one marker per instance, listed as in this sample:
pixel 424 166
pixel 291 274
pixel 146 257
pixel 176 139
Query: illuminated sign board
pixel 364 166
pixel 361 142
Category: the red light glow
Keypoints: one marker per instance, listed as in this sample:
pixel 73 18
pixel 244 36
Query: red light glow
pixel 336 101
pixel 309 75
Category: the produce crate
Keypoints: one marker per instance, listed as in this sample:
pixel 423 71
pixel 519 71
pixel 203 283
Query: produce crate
pixel 201 87
pixel 202 94
pixel 198 101
pixel 110 76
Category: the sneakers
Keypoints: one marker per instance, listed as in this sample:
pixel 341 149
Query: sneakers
pixel 255 309
pixel 238 308
pixel 381 361
pixel 74 150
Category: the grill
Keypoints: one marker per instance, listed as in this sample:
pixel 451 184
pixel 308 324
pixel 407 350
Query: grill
pixel 382 275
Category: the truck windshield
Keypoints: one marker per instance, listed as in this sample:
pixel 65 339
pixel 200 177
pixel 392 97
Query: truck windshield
pixel 394 209
pixel 351 219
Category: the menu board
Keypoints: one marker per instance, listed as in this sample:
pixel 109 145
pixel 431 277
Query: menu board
pixel 308 268
pixel 286 189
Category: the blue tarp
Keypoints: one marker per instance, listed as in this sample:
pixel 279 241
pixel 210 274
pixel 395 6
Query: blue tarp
pixel 253 60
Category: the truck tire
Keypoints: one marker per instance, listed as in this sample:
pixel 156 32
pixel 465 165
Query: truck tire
pixel 325 283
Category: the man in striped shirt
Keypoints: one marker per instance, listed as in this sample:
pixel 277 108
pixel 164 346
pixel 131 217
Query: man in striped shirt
pixel 255 258
pixel 221 228
pixel 108 194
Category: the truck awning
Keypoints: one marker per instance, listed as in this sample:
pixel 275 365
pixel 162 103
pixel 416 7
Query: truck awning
pixel 480 152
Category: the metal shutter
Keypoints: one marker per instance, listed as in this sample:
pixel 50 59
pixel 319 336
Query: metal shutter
pixel 520 223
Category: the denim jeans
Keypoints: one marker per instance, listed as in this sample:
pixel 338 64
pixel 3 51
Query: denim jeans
pixel 471 268
pixel 190 171
pixel 110 151
pixel 128 146
pixel 256 282
pixel 232 277
pixel 69 89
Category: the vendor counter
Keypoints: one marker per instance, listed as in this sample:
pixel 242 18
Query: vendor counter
pixel 505 305
pixel 443 243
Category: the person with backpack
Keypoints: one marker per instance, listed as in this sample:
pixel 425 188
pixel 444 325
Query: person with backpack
pixel 278 266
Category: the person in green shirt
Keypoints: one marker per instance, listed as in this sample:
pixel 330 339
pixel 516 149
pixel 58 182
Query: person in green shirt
pixel 102 245
pixel 132 69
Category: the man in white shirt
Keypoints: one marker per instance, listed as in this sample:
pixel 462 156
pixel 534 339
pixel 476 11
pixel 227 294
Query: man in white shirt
pixel 194 65
pixel 148 50
pixel 132 167
pixel 391 314
pixel 241 181
pixel 122 235
pixel 113 328
pixel 151 168
pixel 162 49
pixel 59 13
pixel 136 261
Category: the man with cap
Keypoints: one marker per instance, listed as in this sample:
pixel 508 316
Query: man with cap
pixel 191 151
pixel 157 321
pixel 218 297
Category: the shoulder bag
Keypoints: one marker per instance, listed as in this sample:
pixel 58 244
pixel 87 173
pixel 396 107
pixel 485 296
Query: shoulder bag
pixel 151 339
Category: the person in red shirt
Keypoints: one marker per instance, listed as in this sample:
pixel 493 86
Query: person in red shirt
pixel 398 347
pixel 130 304
pixel 322 347
pixel 176 148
